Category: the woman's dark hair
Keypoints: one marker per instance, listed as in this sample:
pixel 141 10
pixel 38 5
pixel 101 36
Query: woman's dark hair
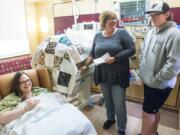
pixel 15 83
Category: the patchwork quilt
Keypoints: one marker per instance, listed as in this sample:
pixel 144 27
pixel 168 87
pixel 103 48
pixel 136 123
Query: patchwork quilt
pixel 60 60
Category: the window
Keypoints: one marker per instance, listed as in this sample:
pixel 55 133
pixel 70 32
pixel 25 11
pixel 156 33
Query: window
pixel 13 29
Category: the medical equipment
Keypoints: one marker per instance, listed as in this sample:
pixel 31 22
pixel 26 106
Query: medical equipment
pixel 95 26
pixel 96 98
pixel 82 89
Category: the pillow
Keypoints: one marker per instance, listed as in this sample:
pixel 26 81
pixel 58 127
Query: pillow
pixel 44 78
pixel 39 90
pixel 0 96
pixel 11 101
pixel 6 81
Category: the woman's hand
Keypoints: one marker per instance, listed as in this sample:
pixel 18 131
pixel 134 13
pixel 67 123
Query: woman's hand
pixel 8 116
pixel 31 103
pixel 83 69
pixel 110 60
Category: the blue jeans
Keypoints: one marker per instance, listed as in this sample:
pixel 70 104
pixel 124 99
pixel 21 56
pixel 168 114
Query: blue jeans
pixel 114 97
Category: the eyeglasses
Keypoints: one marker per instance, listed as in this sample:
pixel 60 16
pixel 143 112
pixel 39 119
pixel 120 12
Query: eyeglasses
pixel 112 19
pixel 154 14
pixel 25 81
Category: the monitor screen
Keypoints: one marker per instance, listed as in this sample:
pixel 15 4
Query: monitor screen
pixel 88 26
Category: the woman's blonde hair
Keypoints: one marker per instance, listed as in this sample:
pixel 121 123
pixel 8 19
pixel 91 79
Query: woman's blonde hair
pixel 104 16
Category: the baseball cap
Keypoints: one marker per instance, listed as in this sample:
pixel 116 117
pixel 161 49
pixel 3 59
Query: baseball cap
pixel 162 7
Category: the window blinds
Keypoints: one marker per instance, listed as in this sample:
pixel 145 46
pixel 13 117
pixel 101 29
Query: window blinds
pixel 13 29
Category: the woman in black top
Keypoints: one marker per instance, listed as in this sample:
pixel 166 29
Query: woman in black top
pixel 113 76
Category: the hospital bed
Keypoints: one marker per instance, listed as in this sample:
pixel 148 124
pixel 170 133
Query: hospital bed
pixel 65 119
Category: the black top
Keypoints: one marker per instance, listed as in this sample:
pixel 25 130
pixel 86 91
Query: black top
pixel 121 46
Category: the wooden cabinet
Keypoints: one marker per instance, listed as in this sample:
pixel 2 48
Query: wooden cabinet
pixel 136 93
pixel 134 60
pixel 174 99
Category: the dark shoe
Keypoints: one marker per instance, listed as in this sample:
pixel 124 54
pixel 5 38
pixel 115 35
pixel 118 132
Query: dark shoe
pixel 108 124
pixel 121 132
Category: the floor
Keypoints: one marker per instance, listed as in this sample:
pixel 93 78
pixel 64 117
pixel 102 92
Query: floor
pixel 168 124
pixel 169 117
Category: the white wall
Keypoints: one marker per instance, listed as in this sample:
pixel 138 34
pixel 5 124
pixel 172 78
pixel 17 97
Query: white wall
pixel 82 7
pixel 62 9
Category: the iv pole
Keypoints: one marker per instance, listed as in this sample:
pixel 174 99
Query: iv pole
pixel 74 13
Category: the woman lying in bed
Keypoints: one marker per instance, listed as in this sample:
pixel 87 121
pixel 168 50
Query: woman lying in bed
pixel 46 113
pixel 21 86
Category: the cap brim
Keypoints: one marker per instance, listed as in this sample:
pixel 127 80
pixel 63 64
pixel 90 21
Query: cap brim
pixel 150 11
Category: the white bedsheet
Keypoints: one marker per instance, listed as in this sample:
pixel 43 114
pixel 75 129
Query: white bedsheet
pixel 52 116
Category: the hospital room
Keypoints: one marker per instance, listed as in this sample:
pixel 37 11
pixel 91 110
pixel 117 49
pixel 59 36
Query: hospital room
pixel 90 67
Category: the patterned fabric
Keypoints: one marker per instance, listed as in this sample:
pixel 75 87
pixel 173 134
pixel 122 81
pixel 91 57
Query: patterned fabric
pixel 50 47
pixel 65 40
pixel 60 63
pixel 57 62
pixel 15 64
pixel 64 79
pixel 41 58
pixel 11 101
